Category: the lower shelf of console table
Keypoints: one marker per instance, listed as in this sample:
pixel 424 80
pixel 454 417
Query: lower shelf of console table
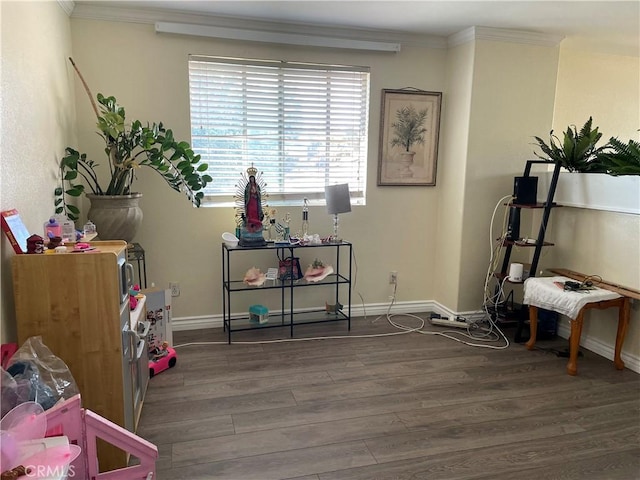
pixel 288 290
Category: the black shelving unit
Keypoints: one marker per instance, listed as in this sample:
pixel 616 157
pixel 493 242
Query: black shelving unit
pixel 135 253
pixel 547 206
pixel 338 281
pixel 513 313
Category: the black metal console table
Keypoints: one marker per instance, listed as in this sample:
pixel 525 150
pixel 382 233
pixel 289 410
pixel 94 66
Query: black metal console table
pixel 135 253
pixel 339 282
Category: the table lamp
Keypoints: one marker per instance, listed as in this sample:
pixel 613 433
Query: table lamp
pixel 338 201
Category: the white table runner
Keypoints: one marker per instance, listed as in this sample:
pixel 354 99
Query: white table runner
pixel 542 292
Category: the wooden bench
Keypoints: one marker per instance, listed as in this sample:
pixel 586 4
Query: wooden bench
pixel 623 303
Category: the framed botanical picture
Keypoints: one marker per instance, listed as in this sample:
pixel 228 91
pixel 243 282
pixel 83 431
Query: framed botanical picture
pixel 409 128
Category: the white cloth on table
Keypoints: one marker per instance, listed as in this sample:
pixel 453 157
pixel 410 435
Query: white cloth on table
pixel 542 292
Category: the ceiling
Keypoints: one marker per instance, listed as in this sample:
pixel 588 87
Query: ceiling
pixel 605 26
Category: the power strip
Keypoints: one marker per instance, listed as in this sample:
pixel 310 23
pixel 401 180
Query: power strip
pixel 445 322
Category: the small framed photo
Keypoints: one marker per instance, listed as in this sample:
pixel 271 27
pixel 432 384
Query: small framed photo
pixel 409 129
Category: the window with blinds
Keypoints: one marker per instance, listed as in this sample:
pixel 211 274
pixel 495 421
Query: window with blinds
pixel 302 125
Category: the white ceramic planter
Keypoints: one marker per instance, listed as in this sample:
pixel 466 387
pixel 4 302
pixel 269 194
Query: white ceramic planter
pixel 116 217
pixel 597 191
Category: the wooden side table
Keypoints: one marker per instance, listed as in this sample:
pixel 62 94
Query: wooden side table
pixel 623 305
pixel 609 295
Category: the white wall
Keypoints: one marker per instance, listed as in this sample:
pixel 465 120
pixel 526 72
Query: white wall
pixel 496 97
pixel 605 87
pixel 38 120
pixel 513 95
pixel 591 241
pixel 452 173
pixel 183 244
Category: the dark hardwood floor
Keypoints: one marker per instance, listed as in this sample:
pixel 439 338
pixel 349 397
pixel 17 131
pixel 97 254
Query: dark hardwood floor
pixel 408 406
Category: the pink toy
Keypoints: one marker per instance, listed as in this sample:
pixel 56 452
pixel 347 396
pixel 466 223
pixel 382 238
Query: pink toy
pixel 161 358
pixel 84 427
pixel 133 299
pixel 19 429
pixel 6 351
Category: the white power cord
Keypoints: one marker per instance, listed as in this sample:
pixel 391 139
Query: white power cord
pixel 494 299
pixel 494 249
pixel 403 329
pixel 492 334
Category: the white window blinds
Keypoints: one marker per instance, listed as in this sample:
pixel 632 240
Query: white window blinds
pixel 303 125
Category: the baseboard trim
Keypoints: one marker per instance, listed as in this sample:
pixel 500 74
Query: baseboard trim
pixel 182 324
pixel 373 309
pixel 632 362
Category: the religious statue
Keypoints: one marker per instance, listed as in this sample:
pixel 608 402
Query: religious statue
pixel 253 205
pixel 250 208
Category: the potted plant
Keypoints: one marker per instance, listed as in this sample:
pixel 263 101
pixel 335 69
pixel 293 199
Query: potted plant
pixel 408 130
pixel 619 158
pixel 577 152
pixel 128 147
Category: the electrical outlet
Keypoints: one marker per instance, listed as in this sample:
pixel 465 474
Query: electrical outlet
pixel 393 278
pixel 175 289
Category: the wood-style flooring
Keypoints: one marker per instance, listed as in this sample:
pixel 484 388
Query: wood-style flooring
pixel 399 407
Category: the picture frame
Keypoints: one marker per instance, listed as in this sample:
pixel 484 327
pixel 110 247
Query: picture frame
pixel 409 132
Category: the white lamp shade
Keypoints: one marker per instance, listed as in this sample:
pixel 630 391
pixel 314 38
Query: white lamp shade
pixel 338 198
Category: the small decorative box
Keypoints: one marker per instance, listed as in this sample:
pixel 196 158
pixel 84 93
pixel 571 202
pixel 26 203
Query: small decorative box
pixel 258 314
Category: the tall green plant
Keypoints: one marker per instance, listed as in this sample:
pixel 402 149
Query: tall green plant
pixel 578 150
pixel 408 127
pixel 128 148
pixel 619 158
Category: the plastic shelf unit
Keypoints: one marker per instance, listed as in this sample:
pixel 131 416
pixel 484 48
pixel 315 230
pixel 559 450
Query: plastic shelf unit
pixel 338 284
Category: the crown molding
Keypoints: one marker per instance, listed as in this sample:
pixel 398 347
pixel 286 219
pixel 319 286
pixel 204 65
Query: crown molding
pixel 503 35
pixel 67 6
pixel 262 36
pixel 464 36
pixel 152 15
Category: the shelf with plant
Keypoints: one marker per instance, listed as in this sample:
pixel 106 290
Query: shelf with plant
pixel 578 152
